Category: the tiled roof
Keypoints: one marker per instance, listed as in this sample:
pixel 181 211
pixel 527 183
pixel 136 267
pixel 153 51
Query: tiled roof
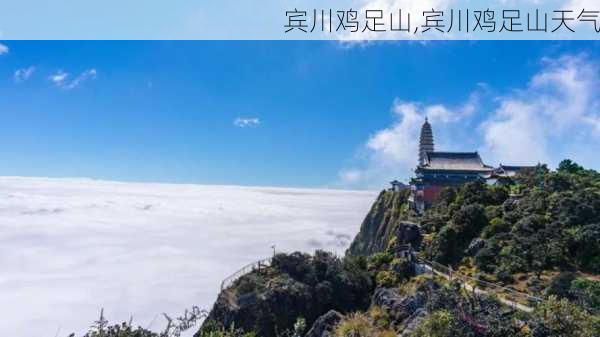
pixel 510 170
pixel 454 161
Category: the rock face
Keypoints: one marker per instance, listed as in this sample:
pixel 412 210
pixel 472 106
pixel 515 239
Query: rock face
pixel 325 325
pixel 409 233
pixel 399 308
pixel 378 227
pixel 263 312
pixel 269 302
pixel 475 246
pixel 413 322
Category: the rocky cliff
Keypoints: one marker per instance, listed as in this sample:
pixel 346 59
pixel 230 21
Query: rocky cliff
pixel 378 227
pixel 295 286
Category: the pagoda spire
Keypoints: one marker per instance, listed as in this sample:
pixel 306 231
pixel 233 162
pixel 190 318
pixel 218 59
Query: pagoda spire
pixel 425 142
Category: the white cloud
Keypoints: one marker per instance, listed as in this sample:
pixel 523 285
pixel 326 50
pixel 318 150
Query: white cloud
pixel 73 246
pixel 246 122
pixel 391 153
pixel 61 79
pixel 543 122
pixel 22 75
pixel 514 135
pixel 556 115
pixel 3 49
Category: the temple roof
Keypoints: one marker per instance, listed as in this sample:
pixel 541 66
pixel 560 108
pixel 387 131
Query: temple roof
pixel 454 161
pixel 510 170
pixel 514 168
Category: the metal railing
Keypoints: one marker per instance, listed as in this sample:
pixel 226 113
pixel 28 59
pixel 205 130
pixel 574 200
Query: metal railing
pixel 508 296
pixel 257 265
pixel 403 247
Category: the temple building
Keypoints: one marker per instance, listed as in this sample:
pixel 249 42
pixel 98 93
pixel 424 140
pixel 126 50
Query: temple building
pixel 506 174
pixel 437 170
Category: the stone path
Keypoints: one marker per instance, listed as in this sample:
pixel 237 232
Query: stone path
pixel 448 274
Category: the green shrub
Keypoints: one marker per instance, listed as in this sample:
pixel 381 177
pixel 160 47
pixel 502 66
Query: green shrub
pixel 587 293
pixel 386 278
pixel 562 318
pixel 355 325
pixel 380 261
pixel 381 318
pixel 560 285
pixel 438 324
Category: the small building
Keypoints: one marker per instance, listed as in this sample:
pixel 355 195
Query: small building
pixel 397 186
pixel 506 174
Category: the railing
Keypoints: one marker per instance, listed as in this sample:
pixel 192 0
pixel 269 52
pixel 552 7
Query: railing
pixel 505 295
pixel 404 247
pixel 228 281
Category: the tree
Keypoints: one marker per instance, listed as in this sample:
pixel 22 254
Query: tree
pixel 445 248
pixel 562 318
pixel 487 256
pixel 569 166
pixel 469 221
pixel 528 243
pixel 450 242
pixel 587 247
pixel 560 286
pixel 533 177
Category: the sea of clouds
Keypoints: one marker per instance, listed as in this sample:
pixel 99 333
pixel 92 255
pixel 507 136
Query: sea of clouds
pixel 70 247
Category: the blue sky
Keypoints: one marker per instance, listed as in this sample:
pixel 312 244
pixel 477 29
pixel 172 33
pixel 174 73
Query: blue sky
pixel 316 113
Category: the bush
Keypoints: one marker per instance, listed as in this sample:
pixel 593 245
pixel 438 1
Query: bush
pixel 587 294
pixel 497 225
pixel 380 261
pixel 562 318
pixel 469 221
pixel 438 324
pixel 387 333
pixel 587 248
pixel 296 264
pixel 445 247
pixel 381 318
pixel 355 325
pixel 386 279
pixel 560 286
pixel 403 268
pixel 568 166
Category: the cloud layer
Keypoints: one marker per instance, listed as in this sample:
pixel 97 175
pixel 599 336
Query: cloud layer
pixel 71 247
pixel 555 115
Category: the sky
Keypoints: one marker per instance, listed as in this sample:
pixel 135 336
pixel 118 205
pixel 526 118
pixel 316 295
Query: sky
pixel 295 113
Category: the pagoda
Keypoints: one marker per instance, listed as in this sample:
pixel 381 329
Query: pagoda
pixel 436 170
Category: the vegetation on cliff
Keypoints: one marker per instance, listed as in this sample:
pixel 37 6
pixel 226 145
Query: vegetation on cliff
pixel 378 227
pixel 297 285
pixel 530 232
